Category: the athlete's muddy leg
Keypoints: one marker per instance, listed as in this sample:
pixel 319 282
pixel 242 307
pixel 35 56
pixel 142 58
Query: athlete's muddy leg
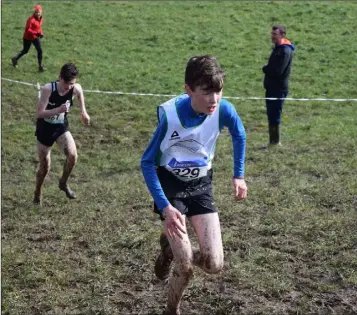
pixel 68 146
pixel 44 155
pixel 181 274
pixel 208 230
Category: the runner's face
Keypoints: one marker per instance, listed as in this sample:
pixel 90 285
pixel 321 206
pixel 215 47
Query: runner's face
pixel 66 86
pixel 203 101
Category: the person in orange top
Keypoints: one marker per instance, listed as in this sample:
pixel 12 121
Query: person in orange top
pixel 33 33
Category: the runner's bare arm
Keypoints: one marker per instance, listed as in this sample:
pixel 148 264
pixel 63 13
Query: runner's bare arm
pixel 79 93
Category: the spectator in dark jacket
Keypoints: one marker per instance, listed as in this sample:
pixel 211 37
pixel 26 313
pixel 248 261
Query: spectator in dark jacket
pixel 276 78
pixel 33 33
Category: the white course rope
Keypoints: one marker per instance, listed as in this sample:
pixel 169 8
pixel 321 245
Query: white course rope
pixel 173 95
pixel 39 90
pixel 15 81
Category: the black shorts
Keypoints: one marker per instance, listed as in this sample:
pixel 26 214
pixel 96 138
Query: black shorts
pixel 190 198
pixel 47 133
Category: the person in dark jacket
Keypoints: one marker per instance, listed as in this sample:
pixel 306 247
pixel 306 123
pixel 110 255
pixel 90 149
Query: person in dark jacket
pixel 276 78
pixel 33 33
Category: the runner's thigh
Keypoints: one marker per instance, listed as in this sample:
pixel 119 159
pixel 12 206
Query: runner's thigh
pixel 43 151
pixel 67 144
pixel 208 230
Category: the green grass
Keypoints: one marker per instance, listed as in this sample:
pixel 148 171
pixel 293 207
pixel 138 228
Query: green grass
pixel 290 248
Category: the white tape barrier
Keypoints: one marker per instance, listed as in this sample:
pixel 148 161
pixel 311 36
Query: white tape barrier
pixel 173 95
pixel 25 83
pixel 128 93
pixel 39 90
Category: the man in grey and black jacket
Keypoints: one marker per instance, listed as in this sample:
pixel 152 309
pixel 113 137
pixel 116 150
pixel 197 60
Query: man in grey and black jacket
pixel 276 78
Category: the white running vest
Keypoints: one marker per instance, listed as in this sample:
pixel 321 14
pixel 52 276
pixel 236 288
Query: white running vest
pixel 188 152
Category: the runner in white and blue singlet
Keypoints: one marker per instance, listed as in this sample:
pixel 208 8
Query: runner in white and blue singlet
pixel 177 167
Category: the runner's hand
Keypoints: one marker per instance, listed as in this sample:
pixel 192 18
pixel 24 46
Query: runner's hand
pixel 63 108
pixel 174 222
pixel 240 188
pixel 85 118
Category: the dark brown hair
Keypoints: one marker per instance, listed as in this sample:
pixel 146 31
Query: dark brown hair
pixel 205 72
pixel 68 72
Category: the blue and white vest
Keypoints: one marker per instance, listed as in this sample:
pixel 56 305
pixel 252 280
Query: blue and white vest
pixel 188 152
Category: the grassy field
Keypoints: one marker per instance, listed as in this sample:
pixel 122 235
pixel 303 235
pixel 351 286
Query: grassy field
pixel 290 248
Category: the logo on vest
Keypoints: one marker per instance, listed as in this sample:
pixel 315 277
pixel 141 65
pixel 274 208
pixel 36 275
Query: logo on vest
pixel 175 136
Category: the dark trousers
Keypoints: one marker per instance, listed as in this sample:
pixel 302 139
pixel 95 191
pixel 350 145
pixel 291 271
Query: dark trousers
pixel 27 45
pixel 275 107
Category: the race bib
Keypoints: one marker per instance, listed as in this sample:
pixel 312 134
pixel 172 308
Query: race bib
pixel 188 170
pixel 57 119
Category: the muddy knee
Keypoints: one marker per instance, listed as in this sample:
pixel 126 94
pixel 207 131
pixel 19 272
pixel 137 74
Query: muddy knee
pixel 45 165
pixel 216 267
pixel 183 270
pixel 212 264
pixel 72 158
